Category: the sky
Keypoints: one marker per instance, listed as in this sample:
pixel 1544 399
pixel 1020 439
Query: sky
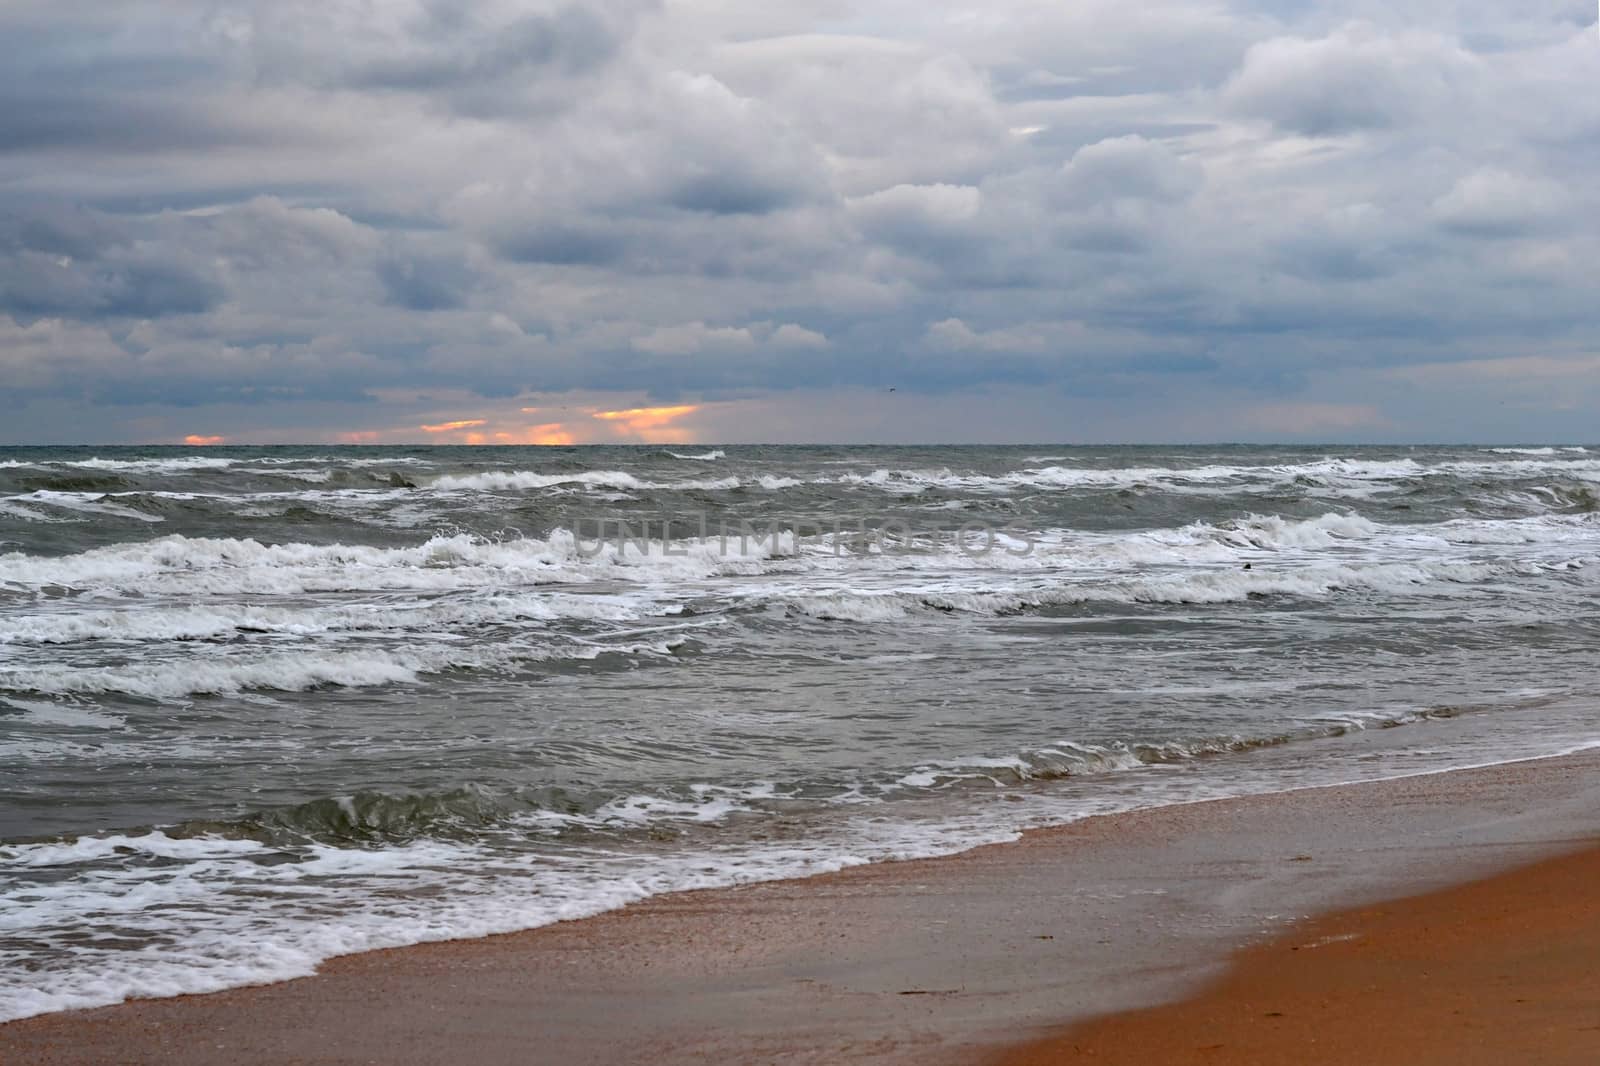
pixel 534 221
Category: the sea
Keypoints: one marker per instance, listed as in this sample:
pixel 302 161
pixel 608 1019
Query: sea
pixel 260 707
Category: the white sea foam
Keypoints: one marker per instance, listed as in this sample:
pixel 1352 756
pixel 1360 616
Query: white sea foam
pixel 1333 476
pixel 648 810
pixel 309 475
pixel 1213 586
pixel 395 460
pixel 87 503
pixel 722 484
pixel 283 673
pixel 205 566
pixel 300 671
pixel 1354 475
pixel 1272 532
pixel 155 844
pixel 183 566
pixel 854 607
pixel 386 898
pixel 1171 478
pixel 1336 476
pixel 225 621
pixel 176 465
pixel 524 481
pixel 70 715
pixel 10 506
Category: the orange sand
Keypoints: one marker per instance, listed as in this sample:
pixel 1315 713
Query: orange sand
pixel 1500 971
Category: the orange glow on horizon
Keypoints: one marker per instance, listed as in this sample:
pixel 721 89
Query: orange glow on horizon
pixel 561 426
pixel 451 427
pixel 551 433
pixel 653 423
pixel 647 417
pixel 200 441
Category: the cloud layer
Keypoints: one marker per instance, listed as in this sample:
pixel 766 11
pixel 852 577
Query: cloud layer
pixel 1182 220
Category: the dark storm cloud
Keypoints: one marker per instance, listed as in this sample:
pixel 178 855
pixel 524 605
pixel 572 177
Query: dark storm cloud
pixel 151 290
pixel 720 193
pixel 425 283
pixel 33 121
pixel 80 78
pixel 55 228
pixel 563 245
pixel 450 53
pixel 58 259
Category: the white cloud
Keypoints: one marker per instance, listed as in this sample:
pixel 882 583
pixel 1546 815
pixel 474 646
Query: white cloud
pixel 1129 167
pixel 693 337
pixel 1495 202
pixel 790 335
pixel 919 206
pixel 1035 338
pixel 1357 78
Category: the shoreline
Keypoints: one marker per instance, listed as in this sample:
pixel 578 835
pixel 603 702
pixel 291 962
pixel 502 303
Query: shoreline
pixel 945 959
pixel 1503 969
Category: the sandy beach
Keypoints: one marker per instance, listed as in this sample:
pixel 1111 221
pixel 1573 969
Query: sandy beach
pixel 996 954
pixel 1501 970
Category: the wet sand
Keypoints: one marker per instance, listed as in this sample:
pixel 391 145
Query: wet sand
pixel 943 960
pixel 1498 971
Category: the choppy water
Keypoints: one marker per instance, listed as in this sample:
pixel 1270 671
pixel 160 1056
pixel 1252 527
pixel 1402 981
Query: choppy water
pixel 260 707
